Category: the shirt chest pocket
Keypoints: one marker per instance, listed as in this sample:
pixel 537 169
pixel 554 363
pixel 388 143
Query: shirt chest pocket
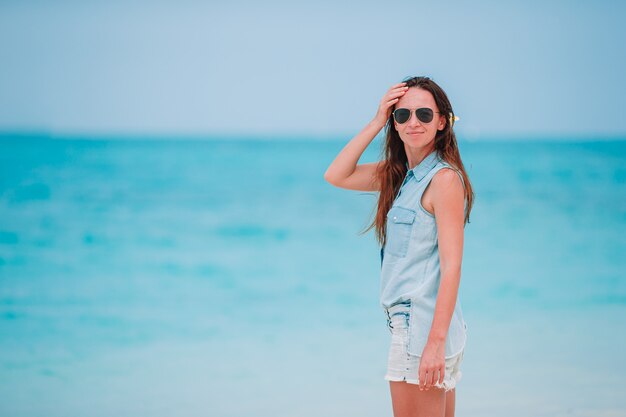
pixel 399 227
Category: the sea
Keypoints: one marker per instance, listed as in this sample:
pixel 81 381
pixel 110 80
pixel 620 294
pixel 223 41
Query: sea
pixel 225 277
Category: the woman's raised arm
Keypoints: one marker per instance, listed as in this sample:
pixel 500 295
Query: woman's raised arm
pixel 344 172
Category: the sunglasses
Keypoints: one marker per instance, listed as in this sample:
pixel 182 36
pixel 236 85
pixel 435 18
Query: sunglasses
pixel 424 115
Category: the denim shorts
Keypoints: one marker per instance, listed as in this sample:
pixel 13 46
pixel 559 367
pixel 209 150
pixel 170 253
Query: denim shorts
pixel 402 366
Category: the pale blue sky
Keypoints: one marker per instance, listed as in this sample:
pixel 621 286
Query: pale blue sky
pixel 523 68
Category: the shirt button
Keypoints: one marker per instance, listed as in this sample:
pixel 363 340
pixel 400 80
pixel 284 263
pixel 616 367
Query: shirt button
pixel 395 217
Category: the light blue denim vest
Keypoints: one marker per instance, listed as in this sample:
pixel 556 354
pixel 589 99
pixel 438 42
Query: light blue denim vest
pixel 410 260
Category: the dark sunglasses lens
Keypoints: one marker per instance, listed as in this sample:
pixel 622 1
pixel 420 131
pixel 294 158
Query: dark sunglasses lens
pixel 424 114
pixel 402 115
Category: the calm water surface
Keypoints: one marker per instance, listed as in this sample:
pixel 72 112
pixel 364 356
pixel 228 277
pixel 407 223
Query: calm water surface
pixel 227 278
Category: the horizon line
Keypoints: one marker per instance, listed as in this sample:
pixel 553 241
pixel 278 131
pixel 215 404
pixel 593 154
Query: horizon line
pixel 331 137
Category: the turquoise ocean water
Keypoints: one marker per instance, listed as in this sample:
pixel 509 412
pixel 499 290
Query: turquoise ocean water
pixel 227 278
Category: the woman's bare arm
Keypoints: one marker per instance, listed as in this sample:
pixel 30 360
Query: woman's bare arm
pixel 448 202
pixel 344 172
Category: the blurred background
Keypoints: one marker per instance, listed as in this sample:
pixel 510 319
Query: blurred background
pixel 168 245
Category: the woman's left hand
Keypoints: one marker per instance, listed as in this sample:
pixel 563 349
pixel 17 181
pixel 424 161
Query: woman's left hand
pixel 432 365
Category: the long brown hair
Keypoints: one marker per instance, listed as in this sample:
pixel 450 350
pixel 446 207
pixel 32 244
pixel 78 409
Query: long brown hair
pixel 392 171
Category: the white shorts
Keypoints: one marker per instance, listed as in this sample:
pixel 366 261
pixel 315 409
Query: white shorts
pixel 402 366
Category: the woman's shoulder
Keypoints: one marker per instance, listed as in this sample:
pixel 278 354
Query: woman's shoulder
pixel 447 175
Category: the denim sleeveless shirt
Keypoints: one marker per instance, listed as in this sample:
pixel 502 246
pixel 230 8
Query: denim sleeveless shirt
pixel 410 260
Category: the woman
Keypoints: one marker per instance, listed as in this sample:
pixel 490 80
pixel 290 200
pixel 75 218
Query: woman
pixel 424 203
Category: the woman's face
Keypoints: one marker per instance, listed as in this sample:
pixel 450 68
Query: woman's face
pixel 414 132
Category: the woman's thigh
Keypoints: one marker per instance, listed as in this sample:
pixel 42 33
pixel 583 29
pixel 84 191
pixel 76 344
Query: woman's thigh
pixel 450 402
pixel 409 401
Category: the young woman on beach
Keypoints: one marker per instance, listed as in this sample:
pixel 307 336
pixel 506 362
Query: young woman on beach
pixel 424 203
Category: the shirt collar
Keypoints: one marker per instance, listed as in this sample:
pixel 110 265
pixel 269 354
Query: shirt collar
pixel 420 170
